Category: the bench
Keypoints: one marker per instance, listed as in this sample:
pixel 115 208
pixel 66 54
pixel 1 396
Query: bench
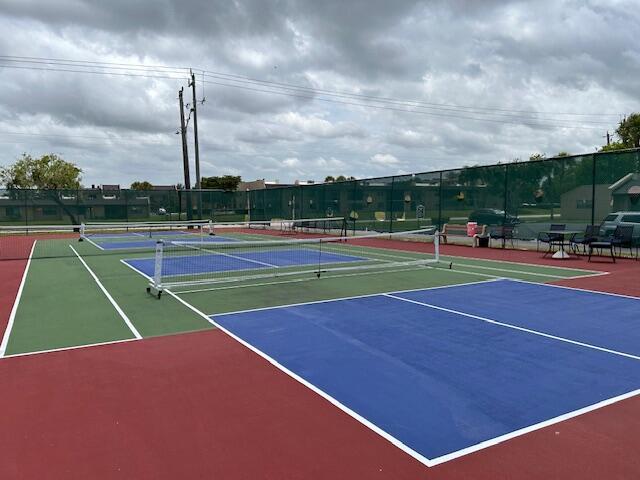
pixel 452 229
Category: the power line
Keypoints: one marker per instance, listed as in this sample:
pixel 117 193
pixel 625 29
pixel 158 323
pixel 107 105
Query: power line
pixel 382 107
pixel 228 76
pixel 248 84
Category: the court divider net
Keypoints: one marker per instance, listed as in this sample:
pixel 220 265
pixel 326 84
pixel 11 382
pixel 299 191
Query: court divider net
pixel 187 263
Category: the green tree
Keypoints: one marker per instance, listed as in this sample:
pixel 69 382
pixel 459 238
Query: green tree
pixel 341 178
pixel 329 179
pixel 144 185
pixel 629 131
pixel 613 146
pixel 226 182
pixel 46 172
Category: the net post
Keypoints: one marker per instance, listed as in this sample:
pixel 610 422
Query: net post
pixel 155 287
pixel 436 246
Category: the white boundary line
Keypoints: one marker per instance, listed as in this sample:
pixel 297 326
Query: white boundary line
pixel 515 327
pixel 92 242
pixel 575 288
pixel 531 428
pixel 326 396
pixel 108 295
pixel 516 433
pixel 14 309
pixel 353 297
pixel 72 347
pixel 426 461
pixel 124 262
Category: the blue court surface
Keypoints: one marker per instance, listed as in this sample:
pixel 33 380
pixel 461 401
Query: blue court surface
pixel 444 370
pixel 223 262
pixel 151 242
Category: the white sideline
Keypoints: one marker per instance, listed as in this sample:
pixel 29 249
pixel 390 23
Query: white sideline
pixel 515 327
pixel 108 295
pixel 14 309
pixel 426 461
pixel 391 439
pixel 353 297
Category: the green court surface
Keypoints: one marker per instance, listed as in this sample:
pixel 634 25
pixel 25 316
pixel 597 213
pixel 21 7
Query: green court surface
pixel 62 304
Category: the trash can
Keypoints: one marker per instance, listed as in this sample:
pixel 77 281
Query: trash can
pixel 483 242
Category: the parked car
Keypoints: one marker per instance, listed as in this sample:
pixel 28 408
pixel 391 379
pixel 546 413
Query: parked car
pixel 491 217
pixel 611 221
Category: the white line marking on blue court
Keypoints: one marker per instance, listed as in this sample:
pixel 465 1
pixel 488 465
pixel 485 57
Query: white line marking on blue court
pixel 93 243
pixel 394 441
pixel 14 309
pixel 331 300
pixel 124 262
pixel 514 327
pixel 531 428
pixel 450 456
pixel 554 285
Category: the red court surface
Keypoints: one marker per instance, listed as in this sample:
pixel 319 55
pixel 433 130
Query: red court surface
pixel 200 405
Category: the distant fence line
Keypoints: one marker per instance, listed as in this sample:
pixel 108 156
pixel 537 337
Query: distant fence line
pixel 574 190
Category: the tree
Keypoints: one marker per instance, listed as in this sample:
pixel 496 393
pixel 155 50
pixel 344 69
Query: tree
pixel 329 179
pixel 226 182
pixel 47 172
pixel 341 178
pixel 613 146
pixel 629 131
pixel 144 185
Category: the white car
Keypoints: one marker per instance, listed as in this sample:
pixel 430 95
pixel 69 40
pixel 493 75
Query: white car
pixel 611 221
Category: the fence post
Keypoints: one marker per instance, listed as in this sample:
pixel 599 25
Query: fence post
pixel 593 189
pixel 391 206
pixel 440 203
pixel 506 193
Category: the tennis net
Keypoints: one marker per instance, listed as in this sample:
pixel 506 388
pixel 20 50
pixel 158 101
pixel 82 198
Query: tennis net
pixel 327 225
pixel 186 263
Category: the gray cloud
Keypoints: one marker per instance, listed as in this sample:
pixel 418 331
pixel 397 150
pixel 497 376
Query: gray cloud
pixel 545 56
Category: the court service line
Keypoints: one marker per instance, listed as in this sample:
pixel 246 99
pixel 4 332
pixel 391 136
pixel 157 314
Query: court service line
pixel 14 309
pixel 620 295
pixel 515 327
pixel 108 295
pixel 390 438
pixel 353 297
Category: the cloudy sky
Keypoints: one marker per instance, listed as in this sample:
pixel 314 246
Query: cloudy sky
pixel 305 89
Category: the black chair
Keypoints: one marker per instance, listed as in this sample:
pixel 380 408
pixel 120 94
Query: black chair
pixel 591 234
pixel 623 238
pixel 504 233
pixel 601 245
pixel 551 239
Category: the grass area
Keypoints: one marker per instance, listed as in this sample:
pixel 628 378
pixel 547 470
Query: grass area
pixel 63 306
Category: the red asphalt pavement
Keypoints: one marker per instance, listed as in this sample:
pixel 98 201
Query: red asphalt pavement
pixel 200 405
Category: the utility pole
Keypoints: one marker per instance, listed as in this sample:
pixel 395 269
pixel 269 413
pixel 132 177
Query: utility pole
pixel 608 138
pixel 195 128
pixel 185 155
pixel 194 109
